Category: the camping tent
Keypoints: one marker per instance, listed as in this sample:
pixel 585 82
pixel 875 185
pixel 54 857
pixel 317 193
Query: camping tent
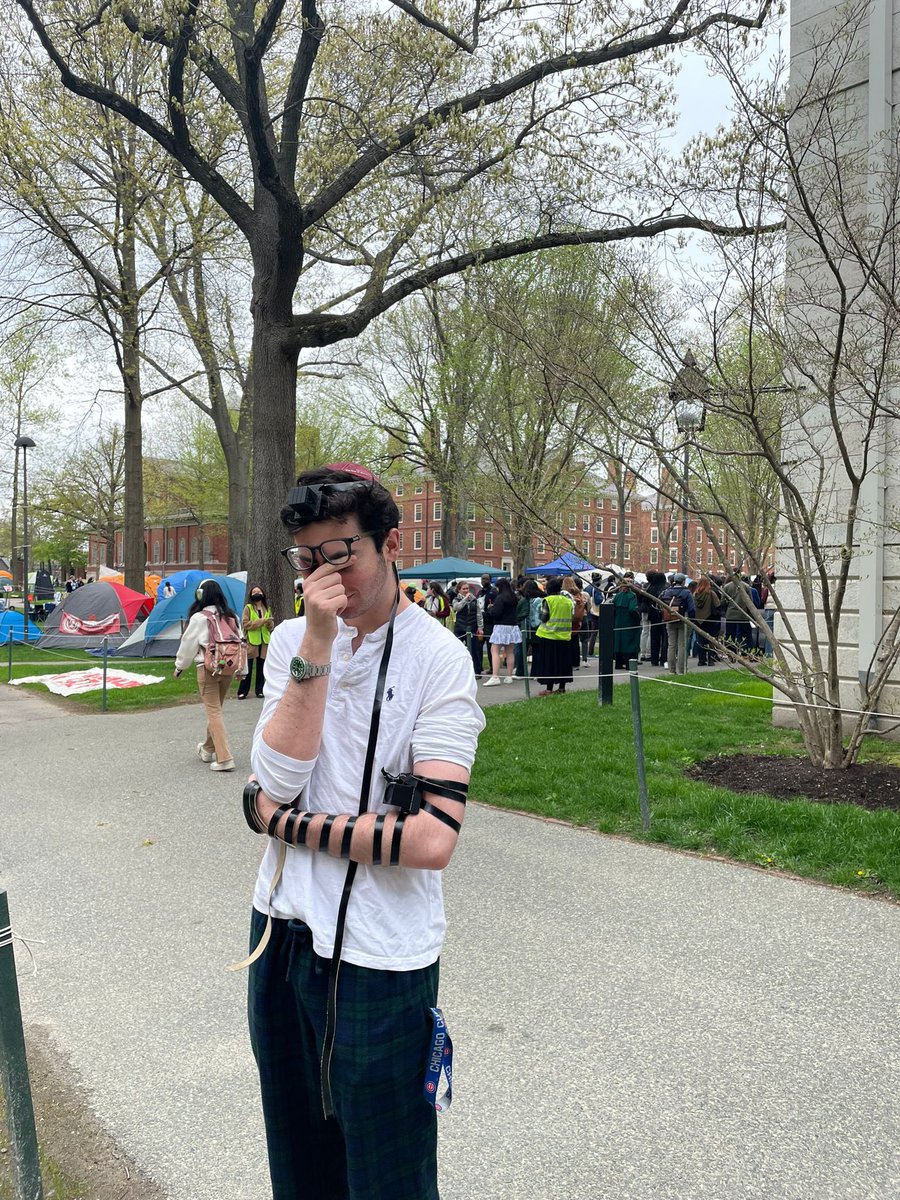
pixel 12 628
pixel 159 635
pixel 448 568
pixel 566 564
pixel 90 613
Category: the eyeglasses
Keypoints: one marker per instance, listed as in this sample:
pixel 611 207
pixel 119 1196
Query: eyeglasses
pixel 336 551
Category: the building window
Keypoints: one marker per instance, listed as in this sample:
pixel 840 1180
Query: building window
pixel 699 534
pixel 654 535
pixel 614 525
pixel 206 548
pixel 732 557
pixel 417 562
pixel 627 551
pixel 506 542
pixel 470 540
pixel 171 556
pixel 673 556
pixel 598 525
pixel 400 511
pixel 599 501
pixel 436 540
pixel 598 550
pixel 585 547
pixel 156 549
pixel 628 506
pixel 627 528
pixel 436 510
pixel 673 532
pixel 541 546
pixel 654 557
pixel 398 490
pixel 709 556
pixel 399 564
pixel 417 512
pixel 419 489
pixel 181 549
pixel 585 524
pixel 417 540
pixel 436 488
pixel 488 540
pixel 573 521
pixel 470 512
pixel 586 501
pixel 488 514
pixel 400 547
pixel 722 535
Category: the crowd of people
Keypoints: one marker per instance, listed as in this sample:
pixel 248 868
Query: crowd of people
pixel 666 621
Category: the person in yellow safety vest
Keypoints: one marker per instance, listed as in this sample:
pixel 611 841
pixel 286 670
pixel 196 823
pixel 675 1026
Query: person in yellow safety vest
pixel 551 662
pixel 298 597
pixel 257 623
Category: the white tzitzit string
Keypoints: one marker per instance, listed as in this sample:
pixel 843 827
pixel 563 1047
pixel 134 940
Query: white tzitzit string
pixel 8 936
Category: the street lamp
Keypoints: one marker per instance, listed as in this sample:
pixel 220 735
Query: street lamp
pixel 688 395
pixel 25 444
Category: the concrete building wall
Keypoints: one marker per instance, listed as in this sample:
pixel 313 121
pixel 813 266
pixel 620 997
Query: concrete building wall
pixel 845 77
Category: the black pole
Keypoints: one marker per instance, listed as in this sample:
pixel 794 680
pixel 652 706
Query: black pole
pixel 14 1071
pixel 637 725
pixel 684 512
pixel 605 654
pixel 25 545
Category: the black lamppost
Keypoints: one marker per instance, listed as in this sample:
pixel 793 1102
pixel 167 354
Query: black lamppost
pixel 25 444
pixel 688 395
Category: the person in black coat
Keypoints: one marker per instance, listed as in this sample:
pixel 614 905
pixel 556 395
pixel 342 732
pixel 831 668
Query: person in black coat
pixel 465 624
pixel 659 638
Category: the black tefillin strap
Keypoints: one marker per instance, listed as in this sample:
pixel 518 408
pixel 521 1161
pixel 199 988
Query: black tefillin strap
pixel 407 792
pixel 331 1010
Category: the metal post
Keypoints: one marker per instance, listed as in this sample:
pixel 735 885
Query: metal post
pixel 525 641
pixel 14 1071
pixel 684 511
pixel 105 665
pixel 9 646
pixel 25 546
pixel 639 742
pixel 605 639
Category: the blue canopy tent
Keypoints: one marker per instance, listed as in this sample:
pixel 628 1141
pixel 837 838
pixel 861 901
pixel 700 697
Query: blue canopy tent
pixel 182 580
pixel 12 628
pixel 159 635
pixel 566 564
pixel 449 568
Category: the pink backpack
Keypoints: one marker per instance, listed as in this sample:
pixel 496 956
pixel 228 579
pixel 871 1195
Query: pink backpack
pixel 226 653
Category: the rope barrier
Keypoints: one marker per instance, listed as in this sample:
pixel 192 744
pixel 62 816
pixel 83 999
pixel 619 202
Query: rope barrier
pixel 850 712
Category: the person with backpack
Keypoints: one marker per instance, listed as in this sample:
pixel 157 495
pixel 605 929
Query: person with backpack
pixel 257 623
pixel 436 603
pixel 678 603
pixel 528 617
pixel 212 640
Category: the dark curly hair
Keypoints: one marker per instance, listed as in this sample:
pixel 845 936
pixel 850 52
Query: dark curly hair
pixel 369 500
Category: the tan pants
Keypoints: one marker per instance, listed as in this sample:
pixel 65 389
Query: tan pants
pixel 213 690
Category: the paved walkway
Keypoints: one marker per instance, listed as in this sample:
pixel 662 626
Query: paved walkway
pixel 630 1023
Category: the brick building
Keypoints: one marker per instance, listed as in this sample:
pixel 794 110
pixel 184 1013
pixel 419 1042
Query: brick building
pixel 176 544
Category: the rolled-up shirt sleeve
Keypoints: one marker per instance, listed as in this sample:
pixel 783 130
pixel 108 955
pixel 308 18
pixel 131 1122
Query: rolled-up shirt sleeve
pixel 450 719
pixel 281 777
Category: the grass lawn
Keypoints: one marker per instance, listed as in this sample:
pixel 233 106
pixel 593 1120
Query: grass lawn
pixel 565 757
pixel 29 661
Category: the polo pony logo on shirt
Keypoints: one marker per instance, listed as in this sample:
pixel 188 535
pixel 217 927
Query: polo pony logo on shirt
pixel 390 694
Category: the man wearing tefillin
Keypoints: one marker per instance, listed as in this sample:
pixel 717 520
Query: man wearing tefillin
pixel 361 763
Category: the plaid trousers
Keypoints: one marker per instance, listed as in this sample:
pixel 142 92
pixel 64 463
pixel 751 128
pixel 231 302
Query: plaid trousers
pixel 382 1142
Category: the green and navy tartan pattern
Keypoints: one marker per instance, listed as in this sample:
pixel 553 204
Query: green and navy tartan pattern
pixel 382 1142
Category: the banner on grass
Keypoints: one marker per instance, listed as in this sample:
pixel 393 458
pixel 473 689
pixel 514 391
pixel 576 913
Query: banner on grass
pixel 70 683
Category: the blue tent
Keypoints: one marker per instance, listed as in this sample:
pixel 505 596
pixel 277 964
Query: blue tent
pixel 159 635
pixel 449 568
pixel 182 580
pixel 566 564
pixel 12 628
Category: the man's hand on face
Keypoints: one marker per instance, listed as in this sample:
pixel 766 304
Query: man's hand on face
pixel 324 600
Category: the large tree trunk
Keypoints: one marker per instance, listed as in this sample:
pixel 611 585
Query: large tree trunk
pixel 133 547
pixel 274 382
pixel 237 448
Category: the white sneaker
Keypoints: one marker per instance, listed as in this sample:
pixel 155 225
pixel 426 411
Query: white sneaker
pixel 227 765
pixel 205 755
pixel 508 679
pixel 494 681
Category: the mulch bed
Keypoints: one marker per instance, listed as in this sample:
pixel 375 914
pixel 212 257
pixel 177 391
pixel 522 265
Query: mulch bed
pixel 870 785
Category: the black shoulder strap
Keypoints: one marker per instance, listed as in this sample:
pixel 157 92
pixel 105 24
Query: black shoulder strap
pixel 331 1012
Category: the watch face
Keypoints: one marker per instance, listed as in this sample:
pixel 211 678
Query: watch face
pixel 298 669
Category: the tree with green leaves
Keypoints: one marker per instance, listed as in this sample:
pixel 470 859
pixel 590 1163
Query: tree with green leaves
pixel 375 139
